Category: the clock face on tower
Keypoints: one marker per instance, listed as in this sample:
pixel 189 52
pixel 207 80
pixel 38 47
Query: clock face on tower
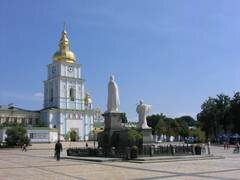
pixel 70 69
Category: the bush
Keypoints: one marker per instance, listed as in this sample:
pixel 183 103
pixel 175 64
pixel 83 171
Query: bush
pixel 134 152
pixel 67 136
pixel 73 135
pixel 198 134
pixel 17 136
pixel 134 137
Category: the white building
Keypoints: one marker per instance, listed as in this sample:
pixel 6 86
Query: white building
pixel 40 135
pixel 36 135
pixel 67 106
pixel 11 114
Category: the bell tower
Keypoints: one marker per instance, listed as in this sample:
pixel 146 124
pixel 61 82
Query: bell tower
pixel 66 105
pixel 64 87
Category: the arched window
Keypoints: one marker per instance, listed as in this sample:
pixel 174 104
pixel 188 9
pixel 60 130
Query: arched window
pixel 51 95
pixel 72 94
pixel 30 121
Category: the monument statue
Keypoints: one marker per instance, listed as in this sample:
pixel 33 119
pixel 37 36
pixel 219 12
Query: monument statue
pixel 142 110
pixel 113 96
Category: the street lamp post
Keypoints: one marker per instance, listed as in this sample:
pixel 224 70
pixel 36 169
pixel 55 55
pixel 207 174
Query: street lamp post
pixel 94 137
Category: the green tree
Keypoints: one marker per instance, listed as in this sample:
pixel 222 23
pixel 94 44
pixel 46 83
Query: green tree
pixel 183 127
pixel 214 116
pixel 67 136
pixel 222 112
pixel 17 136
pixel 169 126
pixel 188 120
pixel 198 133
pixel 234 114
pixel 161 127
pixel 175 128
pixel 207 117
pixel 73 135
pixel 152 120
pixel 134 137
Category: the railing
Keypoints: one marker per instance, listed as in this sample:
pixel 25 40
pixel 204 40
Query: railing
pixel 171 150
pixel 167 150
pixel 99 152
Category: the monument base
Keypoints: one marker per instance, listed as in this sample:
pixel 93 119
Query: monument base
pixel 113 120
pixel 147 136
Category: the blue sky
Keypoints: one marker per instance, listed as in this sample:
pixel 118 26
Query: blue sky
pixel 172 54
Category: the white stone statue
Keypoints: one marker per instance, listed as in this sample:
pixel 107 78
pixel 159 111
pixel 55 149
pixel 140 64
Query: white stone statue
pixel 142 110
pixel 113 96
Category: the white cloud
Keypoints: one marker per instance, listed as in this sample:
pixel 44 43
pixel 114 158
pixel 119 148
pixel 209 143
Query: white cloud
pixel 38 94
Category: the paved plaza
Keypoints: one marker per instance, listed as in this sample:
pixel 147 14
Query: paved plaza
pixel 38 163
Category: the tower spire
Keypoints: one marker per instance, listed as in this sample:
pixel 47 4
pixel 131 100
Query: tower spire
pixel 64 42
pixel 64 53
pixel 64 26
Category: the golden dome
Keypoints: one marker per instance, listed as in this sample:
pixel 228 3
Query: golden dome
pixel 88 99
pixel 64 54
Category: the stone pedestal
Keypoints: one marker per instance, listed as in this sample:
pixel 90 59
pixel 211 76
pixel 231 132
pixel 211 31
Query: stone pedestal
pixel 147 136
pixel 113 121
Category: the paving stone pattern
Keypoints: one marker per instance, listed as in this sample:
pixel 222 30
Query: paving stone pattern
pixel 38 163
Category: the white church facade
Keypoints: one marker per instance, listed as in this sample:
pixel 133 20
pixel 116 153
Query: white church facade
pixel 67 106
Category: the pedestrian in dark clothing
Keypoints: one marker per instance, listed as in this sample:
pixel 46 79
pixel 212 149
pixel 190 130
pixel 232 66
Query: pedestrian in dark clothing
pixel 58 149
pixel 237 146
pixel 228 145
pixel 24 147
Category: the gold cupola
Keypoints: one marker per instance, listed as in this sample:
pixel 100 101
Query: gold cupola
pixel 64 54
pixel 87 99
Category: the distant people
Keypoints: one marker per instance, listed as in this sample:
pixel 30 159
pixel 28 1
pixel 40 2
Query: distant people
pixel 228 145
pixel 86 145
pixel 236 149
pixel 225 145
pixel 208 147
pixel 237 146
pixel 24 147
pixel 58 149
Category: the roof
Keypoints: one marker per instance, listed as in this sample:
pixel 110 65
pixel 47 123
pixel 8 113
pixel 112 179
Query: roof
pixel 49 108
pixel 13 108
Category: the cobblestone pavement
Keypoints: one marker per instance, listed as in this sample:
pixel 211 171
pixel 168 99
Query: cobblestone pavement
pixel 38 163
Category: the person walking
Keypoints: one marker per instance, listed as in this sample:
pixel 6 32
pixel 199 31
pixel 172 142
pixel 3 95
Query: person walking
pixel 225 145
pixel 228 145
pixel 58 149
pixel 208 147
pixel 237 147
pixel 24 147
